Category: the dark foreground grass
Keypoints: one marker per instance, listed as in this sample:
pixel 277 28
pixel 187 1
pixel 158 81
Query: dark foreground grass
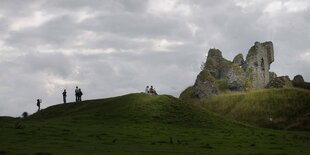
pixel 140 124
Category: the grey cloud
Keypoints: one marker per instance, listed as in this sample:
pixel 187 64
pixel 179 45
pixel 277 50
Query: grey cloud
pixel 53 63
pixel 131 25
pixel 57 33
pixel 14 8
pixel 138 6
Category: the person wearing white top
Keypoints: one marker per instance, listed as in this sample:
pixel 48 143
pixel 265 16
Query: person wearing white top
pixel 147 90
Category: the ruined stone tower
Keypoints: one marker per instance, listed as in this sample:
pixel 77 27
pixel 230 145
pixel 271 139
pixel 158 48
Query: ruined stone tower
pixel 220 74
pixel 258 61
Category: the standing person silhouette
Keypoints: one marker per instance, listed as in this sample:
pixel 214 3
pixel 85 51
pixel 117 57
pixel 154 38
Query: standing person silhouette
pixel 80 93
pixel 39 104
pixel 64 95
pixel 76 94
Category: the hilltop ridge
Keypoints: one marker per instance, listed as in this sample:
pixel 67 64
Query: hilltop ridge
pixel 140 123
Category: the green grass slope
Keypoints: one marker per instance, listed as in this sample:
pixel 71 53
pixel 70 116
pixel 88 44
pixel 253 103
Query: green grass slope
pixel 140 124
pixel 273 108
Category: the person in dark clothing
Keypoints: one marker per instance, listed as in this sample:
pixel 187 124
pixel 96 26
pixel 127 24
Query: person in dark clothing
pixel 39 104
pixel 76 94
pixel 64 95
pixel 153 91
pixel 80 93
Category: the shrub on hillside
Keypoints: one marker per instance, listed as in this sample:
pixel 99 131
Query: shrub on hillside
pixel 25 114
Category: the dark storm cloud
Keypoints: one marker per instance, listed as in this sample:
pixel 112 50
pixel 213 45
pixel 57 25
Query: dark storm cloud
pixel 115 47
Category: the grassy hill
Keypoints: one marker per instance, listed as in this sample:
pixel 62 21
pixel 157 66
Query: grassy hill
pixel 287 109
pixel 141 124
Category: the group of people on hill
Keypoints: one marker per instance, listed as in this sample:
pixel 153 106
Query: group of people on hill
pixel 78 97
pixel 150 90
pixel 78 94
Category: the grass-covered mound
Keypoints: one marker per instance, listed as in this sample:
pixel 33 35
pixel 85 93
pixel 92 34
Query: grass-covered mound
pixel 273 108
pixel 140 123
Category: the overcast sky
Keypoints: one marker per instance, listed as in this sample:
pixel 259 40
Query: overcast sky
pixel 115 47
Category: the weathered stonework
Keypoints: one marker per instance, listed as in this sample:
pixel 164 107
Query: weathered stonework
pixel 220 74
pixel 272 75
pixel 236 78
pixel 238 60
pixel 259 58
pixel 280 82
pixel 298 78
pixel 216 64
pixel 238 75
pixel 205 85
pixel 299 82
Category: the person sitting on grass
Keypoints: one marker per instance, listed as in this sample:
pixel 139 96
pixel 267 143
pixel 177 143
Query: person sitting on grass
pixel 152 91
pixel 147 90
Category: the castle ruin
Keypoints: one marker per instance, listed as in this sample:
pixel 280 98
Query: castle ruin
pixel 220 74
pixel 259 58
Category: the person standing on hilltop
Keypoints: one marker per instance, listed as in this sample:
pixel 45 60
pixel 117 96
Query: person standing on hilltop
pixel 76 93
pixel 80 93
pixel 39 104
pixel 64 95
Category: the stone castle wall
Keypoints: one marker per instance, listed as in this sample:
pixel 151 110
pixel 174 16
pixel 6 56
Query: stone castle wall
pixel 258 60
pixel 236 75
pixel 220 74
